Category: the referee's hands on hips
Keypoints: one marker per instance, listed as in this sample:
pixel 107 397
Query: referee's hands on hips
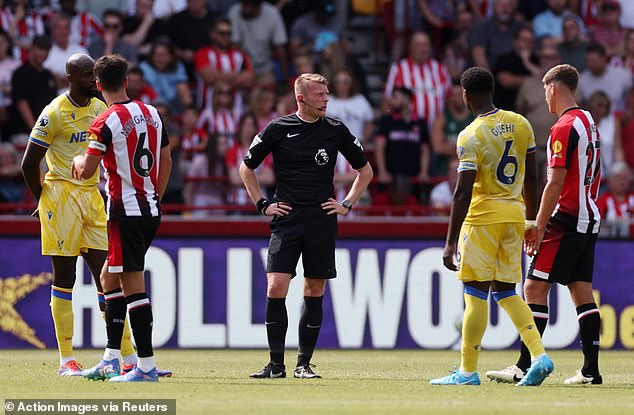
pixel 277 209
pixel 332 207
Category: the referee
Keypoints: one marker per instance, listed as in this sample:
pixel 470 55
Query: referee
pixel 304 147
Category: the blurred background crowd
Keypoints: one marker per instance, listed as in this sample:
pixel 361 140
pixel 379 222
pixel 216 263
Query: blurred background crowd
pixel 220 70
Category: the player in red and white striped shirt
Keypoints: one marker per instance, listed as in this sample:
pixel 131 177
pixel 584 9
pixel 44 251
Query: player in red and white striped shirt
pixel 567 224
pixel 133 143
pixel 27 25
pixel 427 78
pixel 221 62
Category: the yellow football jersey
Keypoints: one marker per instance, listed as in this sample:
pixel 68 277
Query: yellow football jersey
pixel 62 129
pixel 495 145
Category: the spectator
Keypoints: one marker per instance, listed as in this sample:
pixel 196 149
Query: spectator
pixel 401 149
pixel 609 31
pixel 588 10
pixel 627 123
pixel 220 61
pixel 573 48
pixel 143 27
pixel 307 28
pixel 601 76
pixel 494 36
pixel 237 194
pixel 84 26
pixel 11 181
pixel 32 87
pixel 446 127
pixel 138 89
pixel 441 195
pixel 174 191
pixel 175 185
pixel 530 103
pixel 626 58
pixel 457 54
pixel 112 41
pixel 8 64
pixel 219 119
pixel 610 129
pixel 514 68
pixel 166 74
pixel 618 201
pixel 195 143
pixel 333 57
pixel 161 9
pixel 258 28
pixel 439 17
pixel 61 50
pixel 549 22
pixel 189 29
pixel 262 105
pixel 285 100
pixel 425 76
pixel 22 24
pixel 349 106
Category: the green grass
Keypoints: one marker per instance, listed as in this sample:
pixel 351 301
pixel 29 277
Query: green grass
pixel 355 382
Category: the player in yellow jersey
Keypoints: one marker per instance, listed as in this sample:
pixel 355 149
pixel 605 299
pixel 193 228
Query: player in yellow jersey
pixel 496 154
pixel 71 212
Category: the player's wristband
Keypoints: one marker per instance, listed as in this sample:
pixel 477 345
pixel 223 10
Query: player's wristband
pixel 530 224
pixel 262 204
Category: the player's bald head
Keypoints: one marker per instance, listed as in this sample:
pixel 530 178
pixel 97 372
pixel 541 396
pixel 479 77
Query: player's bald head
pixel 78 63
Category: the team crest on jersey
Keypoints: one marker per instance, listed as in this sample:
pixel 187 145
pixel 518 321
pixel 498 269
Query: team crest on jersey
pixel 321 158
pixel 43 121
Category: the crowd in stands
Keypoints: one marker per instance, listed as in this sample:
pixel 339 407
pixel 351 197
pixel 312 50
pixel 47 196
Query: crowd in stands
pixel 220 70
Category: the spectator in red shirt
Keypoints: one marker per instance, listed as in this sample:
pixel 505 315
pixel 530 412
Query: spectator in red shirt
pixel 627 133
pixel 220 61
pixel 609 31
pixel 618 201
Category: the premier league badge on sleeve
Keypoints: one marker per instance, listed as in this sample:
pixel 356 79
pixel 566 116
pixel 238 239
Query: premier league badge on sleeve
pixel 321 158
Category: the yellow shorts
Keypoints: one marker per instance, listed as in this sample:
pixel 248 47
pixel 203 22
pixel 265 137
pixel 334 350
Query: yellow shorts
pixel 72 219
pixel 491 252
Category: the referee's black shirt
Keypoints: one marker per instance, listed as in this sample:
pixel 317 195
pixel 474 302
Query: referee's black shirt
pixel 304 156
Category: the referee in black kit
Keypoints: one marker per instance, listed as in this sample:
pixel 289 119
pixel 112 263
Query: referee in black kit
pixel 304 147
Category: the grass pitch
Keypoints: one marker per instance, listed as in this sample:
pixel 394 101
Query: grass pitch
pixel 355 382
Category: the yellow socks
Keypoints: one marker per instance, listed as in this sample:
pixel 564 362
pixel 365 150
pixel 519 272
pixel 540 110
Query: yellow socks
pixel 522 317
pixel 476 315
pixel 63 319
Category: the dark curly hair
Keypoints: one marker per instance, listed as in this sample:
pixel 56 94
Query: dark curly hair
pixel 477 80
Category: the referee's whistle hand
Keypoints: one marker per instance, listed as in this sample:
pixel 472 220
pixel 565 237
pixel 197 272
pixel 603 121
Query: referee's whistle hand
pixel 332 207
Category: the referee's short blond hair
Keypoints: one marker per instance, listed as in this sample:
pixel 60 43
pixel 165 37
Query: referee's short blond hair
pixel 304 79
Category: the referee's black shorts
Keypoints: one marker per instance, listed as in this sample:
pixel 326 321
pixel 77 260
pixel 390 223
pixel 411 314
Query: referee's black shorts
pixel 307 231
pixel 565 255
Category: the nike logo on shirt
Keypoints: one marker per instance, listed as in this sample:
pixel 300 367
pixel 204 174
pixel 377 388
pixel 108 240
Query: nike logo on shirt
pixel 289 135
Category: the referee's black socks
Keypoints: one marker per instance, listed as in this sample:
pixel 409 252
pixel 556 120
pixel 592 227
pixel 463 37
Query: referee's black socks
pixel 276 321
pixel 309 326
pixel 589 332
pixel 540 315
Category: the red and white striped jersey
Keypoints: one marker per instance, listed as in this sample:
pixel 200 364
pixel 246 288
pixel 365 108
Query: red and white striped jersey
pixel 227 61
pixel 222 122
pixel 84 26
pixel 429 82
pixel 191 142
pixel 130 136
pixel 31 25
pixel 574 145
pixel 612 209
